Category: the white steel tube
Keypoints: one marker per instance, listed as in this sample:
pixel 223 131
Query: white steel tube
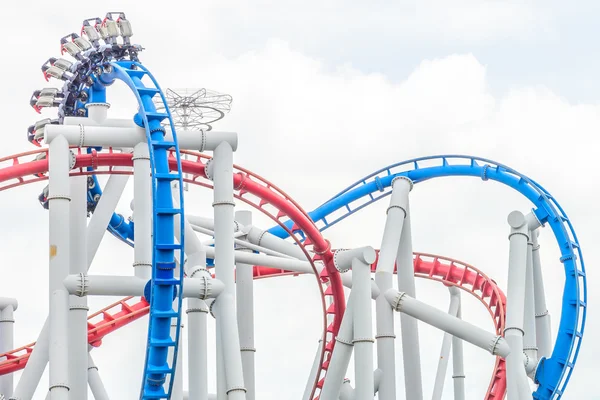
pixel 103 212
pixel 59 345
pixel 231 348
pixel 58 205
pixel 224 269
pixel 410 331
pixel 197 353
pixel 221 375
pixel 386 350
pixel 36 365
pixel 400 301
pixel 208 223
pixel 177 392
pixel 363 329
pixel 314 370
pixel 8 301
pixel 268 261
pixel 516 379
pixel 348 393
pixel 458 369
pixel 97 112
pixel 347 282
pixel 114 122
pixel 7 343
pixel 39 357
pixel 106 285
pixel 529 337
pixel 95 381
pixel 245 311
pixel 142 203
pixel 342 352
pixel 263 238
pixel 78 359
pixel 440 376
pixel 542 317
pixel 122 136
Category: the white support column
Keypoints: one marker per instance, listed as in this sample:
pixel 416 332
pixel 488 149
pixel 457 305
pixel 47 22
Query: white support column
pixel 58 205
pixel 142 206
pixel 36 365
pixel 103 213
pixel 95 381
pixel 78 358
pixel 221 170
pixel 440 377
pixel 38 359
pixel 362 324
pixel 410 330
pixel 396 212
pixel 245 311
pixel 495 345
pixel 177 392
pixel 458 369
pixel 197 351
pixel 342 352
pixel 529 336
pixel 516 379
pixel 312 376
pixel 542 317
pixel 7 343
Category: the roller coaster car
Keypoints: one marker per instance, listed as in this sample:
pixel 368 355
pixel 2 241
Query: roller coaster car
pixel 75 46
pixel 43 197
pixel 48 97
pixel 36 131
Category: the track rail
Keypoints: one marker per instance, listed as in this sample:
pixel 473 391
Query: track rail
pixel 250 188
pixel 104 164
pixel 427 266
pixel 552 373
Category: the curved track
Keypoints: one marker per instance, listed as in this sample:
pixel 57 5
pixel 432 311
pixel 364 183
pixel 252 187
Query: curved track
pixel 427 266
pixel 33 171
pixel 552 373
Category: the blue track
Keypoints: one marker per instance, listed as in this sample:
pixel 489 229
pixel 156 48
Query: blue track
pixel 164 287
pixel 553 373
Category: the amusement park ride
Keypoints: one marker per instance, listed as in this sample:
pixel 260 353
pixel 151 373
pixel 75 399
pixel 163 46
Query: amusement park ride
pixel 173 268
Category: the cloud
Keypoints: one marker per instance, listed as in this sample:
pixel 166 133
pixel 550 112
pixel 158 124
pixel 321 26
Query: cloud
pixel 313 129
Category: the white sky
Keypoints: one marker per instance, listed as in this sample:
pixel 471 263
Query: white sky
pixel 325 93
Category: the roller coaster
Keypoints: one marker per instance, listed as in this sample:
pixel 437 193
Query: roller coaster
pixel 177 276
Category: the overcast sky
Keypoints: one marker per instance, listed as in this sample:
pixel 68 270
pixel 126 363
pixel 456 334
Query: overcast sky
pixel 325 93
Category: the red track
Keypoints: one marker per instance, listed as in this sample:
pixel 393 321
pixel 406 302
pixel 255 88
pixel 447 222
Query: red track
pixel 266 197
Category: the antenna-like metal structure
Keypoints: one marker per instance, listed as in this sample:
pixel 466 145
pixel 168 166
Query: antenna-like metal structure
pixel 195 109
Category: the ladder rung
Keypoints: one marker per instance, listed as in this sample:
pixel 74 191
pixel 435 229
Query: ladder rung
pixel 169 211
pixel 164 314
pixel 138 73
pixel 160 369
pixel 167 282
pixel 168 246
pixel 166 176
pixel 156 116
pixel 162 342
pixel 163 144
pixel 145 91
